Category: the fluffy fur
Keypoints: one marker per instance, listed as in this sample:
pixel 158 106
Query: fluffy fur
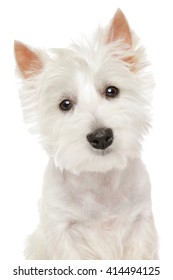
pixel 95 203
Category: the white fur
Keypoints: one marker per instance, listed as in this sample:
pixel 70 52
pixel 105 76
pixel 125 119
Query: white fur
pixel 95 204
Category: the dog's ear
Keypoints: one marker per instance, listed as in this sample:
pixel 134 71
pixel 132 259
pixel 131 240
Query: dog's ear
pixel 28 61
pixel 119 29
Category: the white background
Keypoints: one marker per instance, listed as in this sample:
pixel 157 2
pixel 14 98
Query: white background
pixel 53 23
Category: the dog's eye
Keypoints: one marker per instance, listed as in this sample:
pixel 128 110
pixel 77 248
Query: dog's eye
pixel 66 105
pixel 111 91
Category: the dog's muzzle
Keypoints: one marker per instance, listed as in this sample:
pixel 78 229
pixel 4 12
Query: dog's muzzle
pixel 101 138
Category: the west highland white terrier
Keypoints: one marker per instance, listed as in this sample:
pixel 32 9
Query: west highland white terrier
pixel 90 105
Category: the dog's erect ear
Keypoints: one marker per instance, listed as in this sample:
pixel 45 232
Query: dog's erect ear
pixel 119 29
pixel 29 62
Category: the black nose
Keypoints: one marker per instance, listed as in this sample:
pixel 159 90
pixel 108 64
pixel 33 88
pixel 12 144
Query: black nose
pixel 101 138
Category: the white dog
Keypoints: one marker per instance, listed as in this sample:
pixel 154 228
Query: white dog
pixel 90 106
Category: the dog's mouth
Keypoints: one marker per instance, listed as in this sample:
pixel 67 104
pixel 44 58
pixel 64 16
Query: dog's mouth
pixel 101 153
pixel 105 152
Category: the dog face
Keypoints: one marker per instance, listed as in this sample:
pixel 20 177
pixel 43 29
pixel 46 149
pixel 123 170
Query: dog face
pixel 89 103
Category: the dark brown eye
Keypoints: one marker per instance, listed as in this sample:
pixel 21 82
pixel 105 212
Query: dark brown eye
pixel 111 91
pixel 66 105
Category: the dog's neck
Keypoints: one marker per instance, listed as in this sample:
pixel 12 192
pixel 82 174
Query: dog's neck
pixel 87 193
pixel 92 181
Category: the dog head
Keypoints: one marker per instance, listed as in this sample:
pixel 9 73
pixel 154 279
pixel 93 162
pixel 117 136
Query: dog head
pixel 88 103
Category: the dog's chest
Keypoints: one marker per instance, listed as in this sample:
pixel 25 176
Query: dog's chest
pixel 97 198
pixel 90 198
pixel 90 207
